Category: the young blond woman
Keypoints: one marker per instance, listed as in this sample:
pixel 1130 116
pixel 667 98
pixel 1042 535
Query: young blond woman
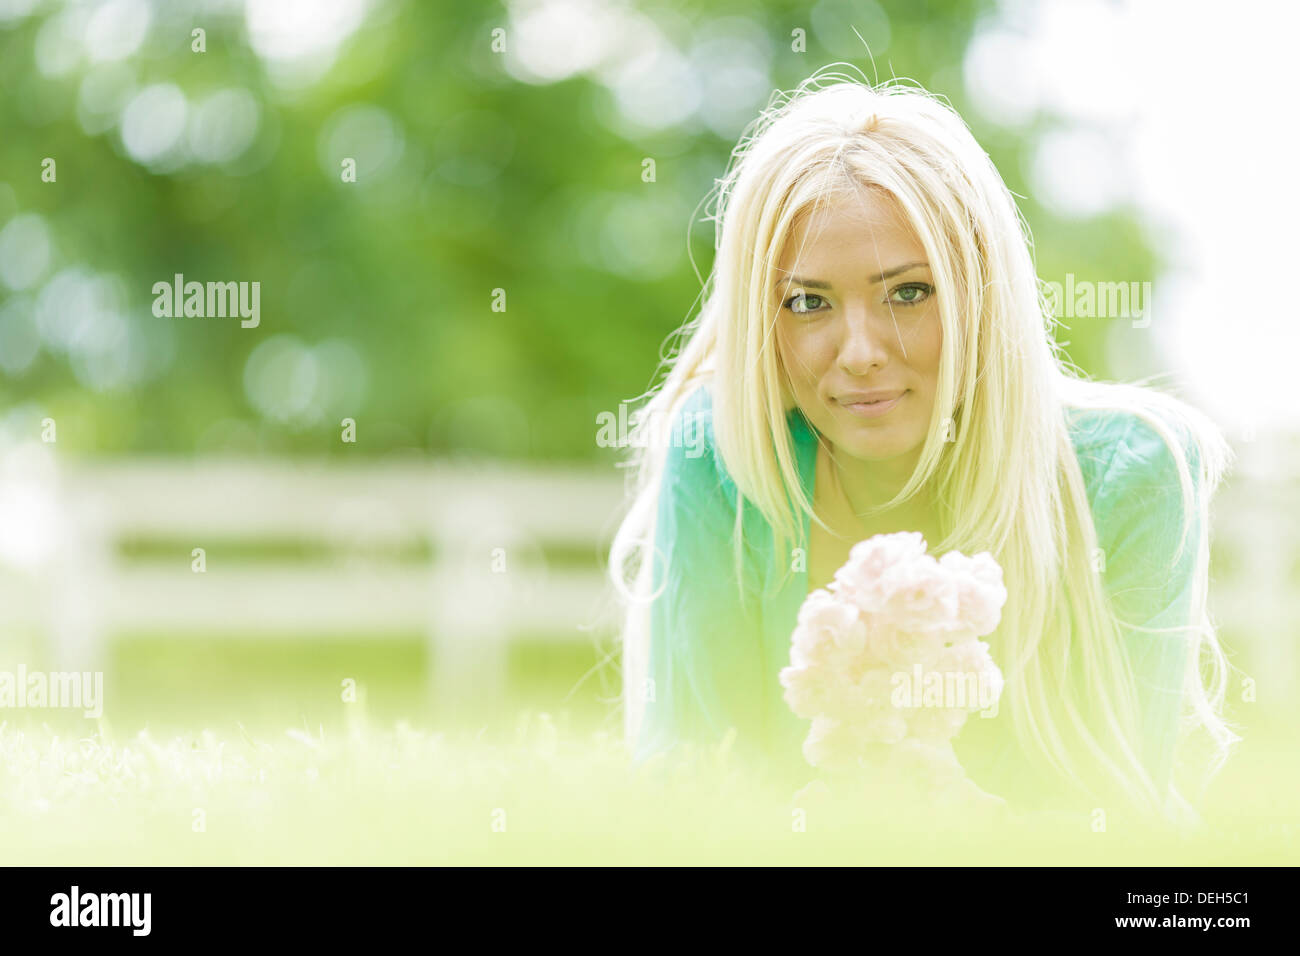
pixel 874 353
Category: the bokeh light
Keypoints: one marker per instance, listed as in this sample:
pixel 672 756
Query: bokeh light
pixel 153 123
pixel 223 125
pixel 25 251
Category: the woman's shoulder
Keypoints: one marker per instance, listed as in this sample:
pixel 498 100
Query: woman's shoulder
pixel 692 464
pixel 1131 469
pixel 1123 449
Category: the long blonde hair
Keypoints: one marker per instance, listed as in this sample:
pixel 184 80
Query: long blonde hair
pixel 998 454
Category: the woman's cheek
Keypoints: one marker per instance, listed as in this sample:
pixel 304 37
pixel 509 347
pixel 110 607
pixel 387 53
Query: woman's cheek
pixel 805 363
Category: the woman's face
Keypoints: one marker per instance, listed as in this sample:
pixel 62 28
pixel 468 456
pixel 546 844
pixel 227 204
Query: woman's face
pixel 859 321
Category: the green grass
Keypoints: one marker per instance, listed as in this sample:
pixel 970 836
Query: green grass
pixel 270 682
pixel 251 740
pixel 545 792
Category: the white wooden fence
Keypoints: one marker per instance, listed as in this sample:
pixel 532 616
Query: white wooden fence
pixel 469 598
pixel 82 595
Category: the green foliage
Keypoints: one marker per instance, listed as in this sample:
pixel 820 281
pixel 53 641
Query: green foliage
pixel 499 183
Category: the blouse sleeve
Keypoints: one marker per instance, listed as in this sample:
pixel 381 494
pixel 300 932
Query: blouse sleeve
pixel 704 666
pixel 1149 572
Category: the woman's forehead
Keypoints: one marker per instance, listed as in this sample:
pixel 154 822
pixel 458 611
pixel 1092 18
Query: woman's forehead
pixel 848 232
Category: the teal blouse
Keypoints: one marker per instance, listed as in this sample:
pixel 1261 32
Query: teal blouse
pixel 716 650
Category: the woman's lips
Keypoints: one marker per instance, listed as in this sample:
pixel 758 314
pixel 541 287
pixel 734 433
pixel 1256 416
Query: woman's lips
pixel 872 409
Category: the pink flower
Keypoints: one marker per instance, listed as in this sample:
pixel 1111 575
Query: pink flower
pixel 892 608
pixel 896 648
pixel 980 589
pixel 827 624
pixel 921 597
pixel 887 726
pixel 804 693
pixel 859 580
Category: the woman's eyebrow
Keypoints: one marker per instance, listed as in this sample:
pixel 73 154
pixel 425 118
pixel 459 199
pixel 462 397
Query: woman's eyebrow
pixel 810 283
pixel 819 284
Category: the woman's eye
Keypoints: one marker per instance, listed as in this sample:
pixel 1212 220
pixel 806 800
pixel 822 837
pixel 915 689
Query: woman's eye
pixel 913 293
pixel 801 303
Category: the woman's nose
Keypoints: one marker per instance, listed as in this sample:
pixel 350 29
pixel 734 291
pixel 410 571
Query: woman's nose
pixel 862 346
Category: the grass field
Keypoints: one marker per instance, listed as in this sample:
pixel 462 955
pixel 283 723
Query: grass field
pixel 250 757
pixel 403 795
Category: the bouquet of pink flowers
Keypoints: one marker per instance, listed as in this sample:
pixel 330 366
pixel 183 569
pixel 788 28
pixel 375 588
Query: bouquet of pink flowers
pixel 889 657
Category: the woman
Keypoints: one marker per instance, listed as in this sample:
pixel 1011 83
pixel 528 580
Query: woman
pixel 873 355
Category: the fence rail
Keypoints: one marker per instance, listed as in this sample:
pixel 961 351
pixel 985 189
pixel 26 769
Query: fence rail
pixel 483 580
